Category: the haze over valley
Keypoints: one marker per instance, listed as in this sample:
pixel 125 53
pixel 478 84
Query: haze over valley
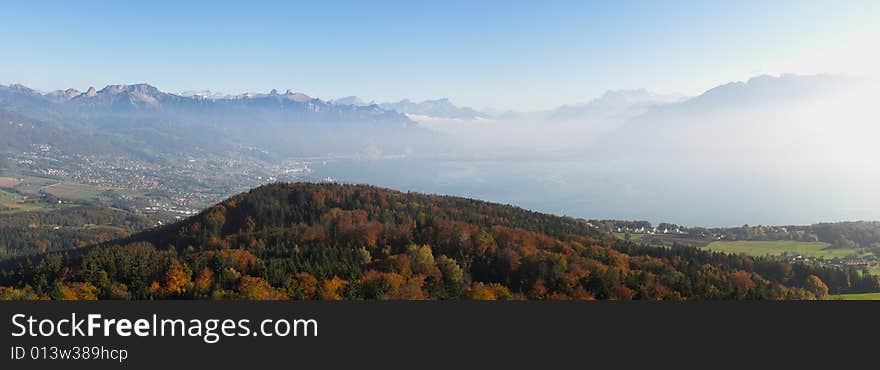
pixel 764 151
pixel 443 150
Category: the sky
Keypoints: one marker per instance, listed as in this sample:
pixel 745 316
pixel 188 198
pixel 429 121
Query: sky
pixel 519 55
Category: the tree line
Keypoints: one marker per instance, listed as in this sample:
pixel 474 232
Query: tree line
pixel 332 241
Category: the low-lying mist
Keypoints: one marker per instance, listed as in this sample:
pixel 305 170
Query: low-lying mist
pixel 773 150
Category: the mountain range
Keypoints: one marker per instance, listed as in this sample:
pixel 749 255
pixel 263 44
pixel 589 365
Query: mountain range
pixel 615 104
pixel 146 97
pixel 141 117
pixel 440 108
pixel 791 148
pixel 626 154
pixel 437 108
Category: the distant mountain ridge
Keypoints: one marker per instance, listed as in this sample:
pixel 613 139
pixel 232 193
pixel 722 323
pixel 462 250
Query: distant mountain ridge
pixel 766 89
pixel 146 96
pixel 437 108
pixel 351 100
pixel 140 116
pixel 441 108
pixel 615 103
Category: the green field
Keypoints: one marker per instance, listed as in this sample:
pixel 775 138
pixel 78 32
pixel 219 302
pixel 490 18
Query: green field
pixel 776 248
pixel 22 193
pixel 856 297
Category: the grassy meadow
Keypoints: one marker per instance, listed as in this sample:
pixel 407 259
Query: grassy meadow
pixel 779 247
pixel 856 297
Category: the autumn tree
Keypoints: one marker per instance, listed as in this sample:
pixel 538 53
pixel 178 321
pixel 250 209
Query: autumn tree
pixel 815 285
pixel 177 279
pixel 331 289
pixel 204 280
pixel 453 277
pixel 302 286
pixel 254 288
pixel 621 292
pixel 73 291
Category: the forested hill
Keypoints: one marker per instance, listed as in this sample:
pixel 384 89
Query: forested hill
pixel 330 241
pixel 369 212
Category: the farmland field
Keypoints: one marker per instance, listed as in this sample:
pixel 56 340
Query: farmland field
pixel 73 191
pixel 8 182
pixel 660 240
pixel 631 236
pixel 776 248
pixel 31 185
pixel 15 202
pixel 856 297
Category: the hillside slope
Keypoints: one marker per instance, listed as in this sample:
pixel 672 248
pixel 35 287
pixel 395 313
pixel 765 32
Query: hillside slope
pixel 331 241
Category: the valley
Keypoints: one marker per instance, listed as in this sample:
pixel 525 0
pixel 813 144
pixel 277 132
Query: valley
pixel 140 186
pixel 129 192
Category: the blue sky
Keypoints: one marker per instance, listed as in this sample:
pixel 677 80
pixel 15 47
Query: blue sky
pixel 519 55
